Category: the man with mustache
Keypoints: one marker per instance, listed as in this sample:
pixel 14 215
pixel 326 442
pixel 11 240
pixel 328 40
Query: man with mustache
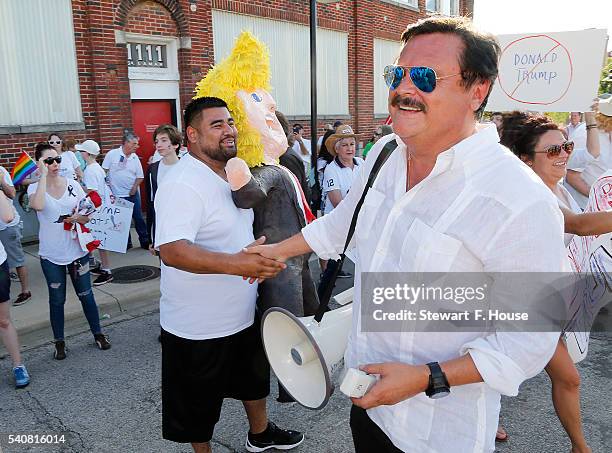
pixel 211 347
pixel 449 199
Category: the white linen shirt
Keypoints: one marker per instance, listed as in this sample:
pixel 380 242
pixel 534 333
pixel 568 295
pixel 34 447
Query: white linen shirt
pixel 479 210
pixel 123 171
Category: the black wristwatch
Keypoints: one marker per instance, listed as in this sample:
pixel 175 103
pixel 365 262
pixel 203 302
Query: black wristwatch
pixel 438 384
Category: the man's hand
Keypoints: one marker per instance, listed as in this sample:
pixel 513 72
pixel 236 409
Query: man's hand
pixel 271 251
pixel 398 382
pixel 133 191
pixel 257 266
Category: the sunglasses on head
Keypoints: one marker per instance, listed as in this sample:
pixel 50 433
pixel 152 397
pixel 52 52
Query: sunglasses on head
pixel 50 160
pixel 424 78
pixel 59 142
pixel 555 150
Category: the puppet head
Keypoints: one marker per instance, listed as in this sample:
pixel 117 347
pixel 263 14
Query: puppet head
pixel 242 80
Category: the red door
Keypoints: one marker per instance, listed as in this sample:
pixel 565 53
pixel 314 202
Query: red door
pixel 146 117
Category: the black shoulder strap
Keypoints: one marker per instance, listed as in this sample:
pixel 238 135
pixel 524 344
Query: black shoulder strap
pixel 328 285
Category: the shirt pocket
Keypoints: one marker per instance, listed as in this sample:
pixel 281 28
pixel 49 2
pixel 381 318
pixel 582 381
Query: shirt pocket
pixel 369 211
pixel 427 250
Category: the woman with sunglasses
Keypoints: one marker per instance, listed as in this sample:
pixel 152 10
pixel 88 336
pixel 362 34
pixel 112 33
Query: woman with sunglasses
pixel 539 143
pixel 70 167
pixel 55 199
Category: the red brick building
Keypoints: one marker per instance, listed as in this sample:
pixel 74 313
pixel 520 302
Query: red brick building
pixel 90 68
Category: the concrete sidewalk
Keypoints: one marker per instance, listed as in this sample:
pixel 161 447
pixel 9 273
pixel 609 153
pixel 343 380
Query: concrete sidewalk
pixel 32 318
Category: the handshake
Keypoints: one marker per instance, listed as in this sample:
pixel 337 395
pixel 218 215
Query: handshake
pixel 257 262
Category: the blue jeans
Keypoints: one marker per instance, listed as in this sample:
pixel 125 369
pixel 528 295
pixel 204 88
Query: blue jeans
pixel 139 222
pixel 55 275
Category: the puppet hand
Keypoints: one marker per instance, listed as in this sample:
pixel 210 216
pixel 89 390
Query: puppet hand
pixel 238 173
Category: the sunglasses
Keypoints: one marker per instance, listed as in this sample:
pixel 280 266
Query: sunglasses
pixel 555 150
pixel 424 78
pixel 50 160
pixel 59 142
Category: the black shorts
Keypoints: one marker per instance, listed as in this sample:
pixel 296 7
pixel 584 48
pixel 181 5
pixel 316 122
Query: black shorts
pixel 198 374
pixel 5 282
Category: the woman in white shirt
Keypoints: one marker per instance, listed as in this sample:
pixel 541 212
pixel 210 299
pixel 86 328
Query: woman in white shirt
pixel 538 142
pixel 8 334
pixel 55 200
pixel 70 167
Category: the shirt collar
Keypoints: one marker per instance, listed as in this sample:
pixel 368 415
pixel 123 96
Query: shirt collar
pixel 341 165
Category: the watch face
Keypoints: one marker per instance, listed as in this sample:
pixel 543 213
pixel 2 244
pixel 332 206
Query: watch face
pixel 440 393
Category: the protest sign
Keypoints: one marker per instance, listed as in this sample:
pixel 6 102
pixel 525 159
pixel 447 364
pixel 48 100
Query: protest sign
pixel 549 72
pixel 590 256
pixel 111 224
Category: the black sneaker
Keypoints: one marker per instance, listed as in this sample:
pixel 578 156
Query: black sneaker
pixel 97 269
pixel 102 341
pixel 60 350
pixel 104 277
pixel 343 274
pixel 273 437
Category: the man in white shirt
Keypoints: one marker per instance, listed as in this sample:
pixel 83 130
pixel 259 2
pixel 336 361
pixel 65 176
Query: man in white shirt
pixel 450 198
pixel 125 175
pixel 211 347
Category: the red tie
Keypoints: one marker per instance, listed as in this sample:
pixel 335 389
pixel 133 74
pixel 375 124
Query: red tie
pixel 309 215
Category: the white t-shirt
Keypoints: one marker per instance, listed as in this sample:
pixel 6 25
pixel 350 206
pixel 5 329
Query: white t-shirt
pixel 338 177
pixel 94 178
pixel 195 204
pixel 68 165
pixel 122 171
pixel 162 171
pixel 56 244
pixel 7 181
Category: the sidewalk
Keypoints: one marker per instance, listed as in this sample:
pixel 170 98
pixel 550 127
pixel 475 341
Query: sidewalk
pixel 32 319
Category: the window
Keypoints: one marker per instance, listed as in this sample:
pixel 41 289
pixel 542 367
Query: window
pixel 385 53
pixel 289 45
pixel 432 5
pixel 38 77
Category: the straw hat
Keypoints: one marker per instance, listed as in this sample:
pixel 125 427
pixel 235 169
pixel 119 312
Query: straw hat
pixel 342 131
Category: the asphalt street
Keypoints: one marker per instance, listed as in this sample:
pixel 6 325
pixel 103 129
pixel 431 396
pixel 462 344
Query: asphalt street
pixel 110 401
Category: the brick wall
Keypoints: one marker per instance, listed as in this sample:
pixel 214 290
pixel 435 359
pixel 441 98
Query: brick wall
pixel 103 72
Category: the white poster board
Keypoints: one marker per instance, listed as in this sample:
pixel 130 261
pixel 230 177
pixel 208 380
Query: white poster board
pixel 111 224
pixel 591 260
pixel 549 72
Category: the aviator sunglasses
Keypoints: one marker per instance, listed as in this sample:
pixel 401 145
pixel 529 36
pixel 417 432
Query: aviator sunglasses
pixel 50 160
pixel 424 78
pixel 555 150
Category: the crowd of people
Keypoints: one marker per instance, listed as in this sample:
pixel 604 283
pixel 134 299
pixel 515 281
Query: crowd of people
pixel 521 181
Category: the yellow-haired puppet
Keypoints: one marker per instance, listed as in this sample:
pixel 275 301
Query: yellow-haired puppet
pixel 242 80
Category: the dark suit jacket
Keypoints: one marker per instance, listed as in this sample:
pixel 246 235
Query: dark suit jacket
pixel 278 216
pixel 294 162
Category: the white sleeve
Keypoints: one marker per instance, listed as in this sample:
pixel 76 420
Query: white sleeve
pixel 89 180
pixel 506 359
pixel 330 179
pixel 178 213
pixel 326 235
pixel 106 163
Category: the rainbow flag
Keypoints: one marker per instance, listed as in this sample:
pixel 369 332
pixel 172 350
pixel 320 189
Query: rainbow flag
pixel 23 167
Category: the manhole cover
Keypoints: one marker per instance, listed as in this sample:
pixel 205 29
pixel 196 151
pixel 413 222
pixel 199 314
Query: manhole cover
pixel 135 274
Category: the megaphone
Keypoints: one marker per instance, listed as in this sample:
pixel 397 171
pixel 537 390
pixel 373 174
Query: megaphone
pixel 302 351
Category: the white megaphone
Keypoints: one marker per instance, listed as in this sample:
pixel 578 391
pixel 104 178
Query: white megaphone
pixel 302 351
